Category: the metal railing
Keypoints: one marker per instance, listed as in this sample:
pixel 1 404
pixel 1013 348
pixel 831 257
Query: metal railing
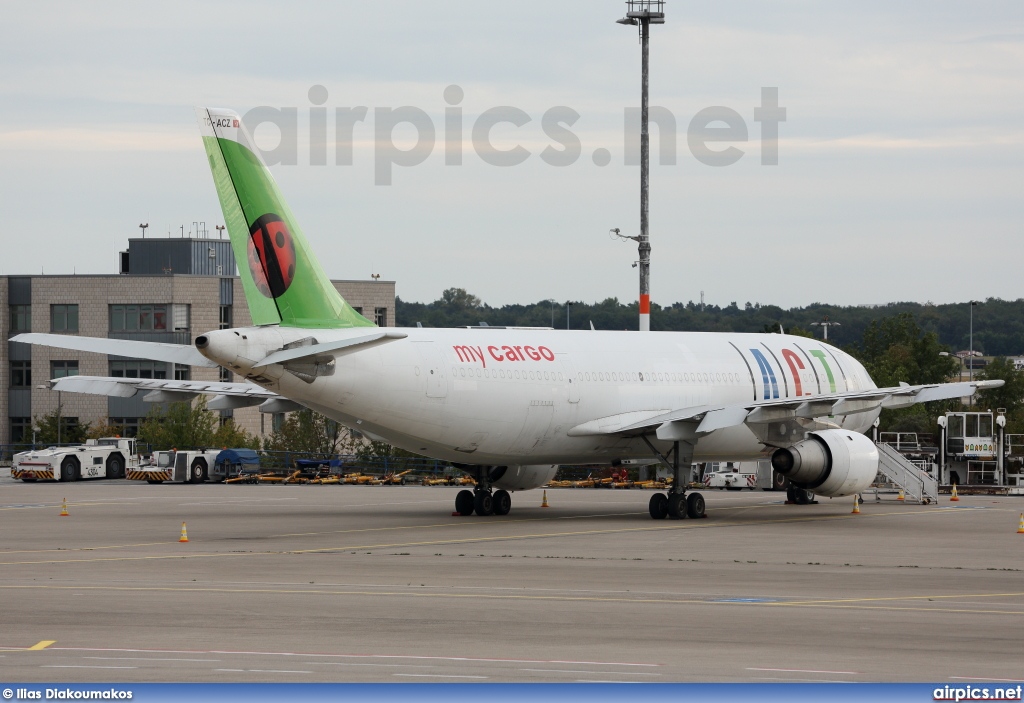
pixel 981 472
pixel 915 480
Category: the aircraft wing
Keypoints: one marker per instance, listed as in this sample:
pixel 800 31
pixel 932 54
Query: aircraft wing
pixel 705 419
pixel 226 396
pixel 156 351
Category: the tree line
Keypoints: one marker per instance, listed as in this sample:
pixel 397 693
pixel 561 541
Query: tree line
pixel 998 324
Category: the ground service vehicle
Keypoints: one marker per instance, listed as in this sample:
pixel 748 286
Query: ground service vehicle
pixel 108 457
pixel 182 466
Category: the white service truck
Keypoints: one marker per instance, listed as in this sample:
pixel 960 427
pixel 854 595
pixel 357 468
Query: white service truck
pixel 732 476
pixel 109 457
pixel 179 466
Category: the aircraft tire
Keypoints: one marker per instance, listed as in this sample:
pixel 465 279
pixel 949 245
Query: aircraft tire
pixel 483 504
pixel 658 507
pixel 464 503
pixel 695 506
pixel 502 502
pixel 677 506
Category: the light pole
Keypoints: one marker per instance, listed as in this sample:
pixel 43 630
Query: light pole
pixel 644 13
pixel 143 228
pixel 220 231
pixel 568 307
pixel 552 301
pixel 825 324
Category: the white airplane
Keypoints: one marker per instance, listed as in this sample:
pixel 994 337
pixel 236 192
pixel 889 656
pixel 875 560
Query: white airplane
pixel 508 405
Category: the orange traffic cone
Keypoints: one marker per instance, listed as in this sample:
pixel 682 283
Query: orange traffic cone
pixel 856 505
pixel 1020 529
pixel 954 497
pixel 64 508
pixel 901 496
pixel 184 534
pixel 544 503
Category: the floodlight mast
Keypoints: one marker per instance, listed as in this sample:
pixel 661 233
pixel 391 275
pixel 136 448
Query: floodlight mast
pixel 644 13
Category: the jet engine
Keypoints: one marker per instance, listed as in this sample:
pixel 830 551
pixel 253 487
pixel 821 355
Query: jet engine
pixel 830 463
pixel 522 478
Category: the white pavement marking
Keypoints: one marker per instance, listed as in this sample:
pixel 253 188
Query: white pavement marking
pixel 804 671
pixel 266 671
pixel 422 657
pixel 390 666
pixel 82 666
pixel 581 671
pixel 151 659
pixel 440 676
pixel 779 678
pixel 980 678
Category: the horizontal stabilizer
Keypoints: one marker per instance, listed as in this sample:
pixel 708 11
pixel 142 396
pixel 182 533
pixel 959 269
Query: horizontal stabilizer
pixel 154 351
pixel 286 355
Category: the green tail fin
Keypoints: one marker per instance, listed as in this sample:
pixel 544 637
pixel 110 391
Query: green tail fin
pixel 283 282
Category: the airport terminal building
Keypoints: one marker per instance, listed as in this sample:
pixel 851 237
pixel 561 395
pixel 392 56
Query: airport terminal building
pixel 168 290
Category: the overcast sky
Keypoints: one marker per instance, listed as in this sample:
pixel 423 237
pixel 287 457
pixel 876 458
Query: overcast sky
pixel 900 175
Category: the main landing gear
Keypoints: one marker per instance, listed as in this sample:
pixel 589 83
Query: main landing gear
pixel 677 504
pixel 482 500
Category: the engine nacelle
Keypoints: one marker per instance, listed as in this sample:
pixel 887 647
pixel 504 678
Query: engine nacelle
pixel 830 463
pixel 523 478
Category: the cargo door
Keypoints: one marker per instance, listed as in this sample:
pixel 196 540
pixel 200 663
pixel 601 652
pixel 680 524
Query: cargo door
pixel 432 369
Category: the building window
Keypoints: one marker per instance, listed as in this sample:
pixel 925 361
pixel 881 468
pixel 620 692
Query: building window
pixel 63 369
pixel 129 425
pixel 380 317
pixel 277 422
pixel 21 319
pixel 138 318
pixel 64 318
pixel 21 374
pixel 225 317
pixel 21 430
pixel 358 309
pixel 181 317
pixel 138 368
pixel 226 376
pixel 182 372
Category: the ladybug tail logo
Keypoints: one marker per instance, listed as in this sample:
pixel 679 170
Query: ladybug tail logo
pixel 283 282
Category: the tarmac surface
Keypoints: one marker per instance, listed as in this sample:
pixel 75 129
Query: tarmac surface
pixel 379 583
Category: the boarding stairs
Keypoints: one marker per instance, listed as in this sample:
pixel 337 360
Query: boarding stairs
pixel 917 484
